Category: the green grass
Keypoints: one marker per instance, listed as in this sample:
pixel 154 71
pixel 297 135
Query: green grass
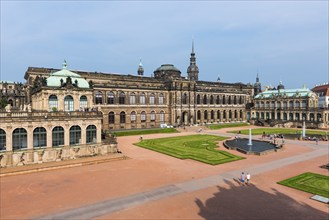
pixel 309 182
pixel 219 126
pixel 195 147
pixel 258 131
pixel 146 131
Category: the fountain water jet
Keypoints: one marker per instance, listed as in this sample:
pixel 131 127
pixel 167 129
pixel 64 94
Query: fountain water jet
pixel 250 140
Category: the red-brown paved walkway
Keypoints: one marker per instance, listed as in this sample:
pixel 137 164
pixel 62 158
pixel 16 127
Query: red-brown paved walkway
pixel 44 193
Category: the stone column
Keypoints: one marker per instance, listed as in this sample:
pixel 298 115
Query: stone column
pixel 30 137
pixel 49 136
pixel 9 138
pixel 66 135
pixel 83 134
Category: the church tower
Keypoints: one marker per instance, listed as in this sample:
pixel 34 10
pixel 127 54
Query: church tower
pixel 257 86
pixel 193 69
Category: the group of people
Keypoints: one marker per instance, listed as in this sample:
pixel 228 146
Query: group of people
pixel 245 178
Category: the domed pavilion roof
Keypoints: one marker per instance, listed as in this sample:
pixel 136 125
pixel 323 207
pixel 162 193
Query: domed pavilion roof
pixel 54 80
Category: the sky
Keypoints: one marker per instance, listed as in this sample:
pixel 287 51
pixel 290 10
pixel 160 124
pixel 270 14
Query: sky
pixel 235 40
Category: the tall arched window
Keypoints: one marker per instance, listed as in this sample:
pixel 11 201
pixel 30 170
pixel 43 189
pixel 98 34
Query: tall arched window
pixel 304 104
pixel 122 117
pixel 122 98
pixel 241 100
pixel 133 116
pixel 143 116
pixel 83 101
pixel 111 118
pixel 68 103
pixel 211 99
pixel 198 100
pixel 241 114
pixel 234 100
pixel 184 101
pixel 152 116
pixel 218 115
pixel 236 114
pixel 110 98
pixel 142 99
pixel 229 100
pixel 2 140
pixel 212 115
pixel 58 136
pixel 205 115
pixel 297 104
pixel 132 99
pixel 198 115
pixel 285 104
pixel 291 104
pixel 224 99
pixel 99 97
pixel 19 139
pixel 91 134
pixel 152 99
pixel 162 116
pixel 39 137
pixel 217 100
pixel 53 103
pixel 75 135
pixel 161 99
pixel 278 104
pixel 205 99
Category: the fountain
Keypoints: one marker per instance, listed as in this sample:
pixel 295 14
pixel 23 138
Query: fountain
pixel 304 130
pixel 249 146
pixel 250 140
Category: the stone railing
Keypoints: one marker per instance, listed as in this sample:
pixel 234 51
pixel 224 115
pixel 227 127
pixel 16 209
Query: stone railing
pixel 34 156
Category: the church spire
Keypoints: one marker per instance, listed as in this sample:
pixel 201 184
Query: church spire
pixel 140 70
pixel 193 70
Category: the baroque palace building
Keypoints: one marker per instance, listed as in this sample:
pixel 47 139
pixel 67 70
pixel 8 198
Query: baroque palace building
pixel 289 108
pixel 66 111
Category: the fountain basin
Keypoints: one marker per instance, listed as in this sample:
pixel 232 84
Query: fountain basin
pixel 257 147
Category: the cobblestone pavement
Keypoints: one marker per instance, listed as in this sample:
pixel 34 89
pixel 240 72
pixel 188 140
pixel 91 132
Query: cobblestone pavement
pixel 150 185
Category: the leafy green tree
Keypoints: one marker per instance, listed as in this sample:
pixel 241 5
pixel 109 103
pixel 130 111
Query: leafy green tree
pixel 3 102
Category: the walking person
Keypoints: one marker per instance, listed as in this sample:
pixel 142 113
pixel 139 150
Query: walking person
pixel 248 178
pixel 242 178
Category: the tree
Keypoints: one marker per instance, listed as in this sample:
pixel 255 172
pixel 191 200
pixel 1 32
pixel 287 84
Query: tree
pixel 3 102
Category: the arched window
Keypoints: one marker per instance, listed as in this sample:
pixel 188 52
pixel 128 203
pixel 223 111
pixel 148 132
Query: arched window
pixel 162 116
pixel 230 114
pixel 184 101
pixel 272 104
pixel 122 117
pixel 83 102
pixel 2 140
pixel 110 98
pixel 224 114
pixel 91 133
pixel 224 99
pixel 53 103
pixel 285 104
pixel 143 116
pixel 68 103
pixel 241 100
pixel 152 116
pixel 211 99
pixel 205 115
pixel 304 104
pixel 278 104
pixel 198 115
pixel 291 104
pixel 212 115
pixel 19 139
pixel 58 136
pixel 267 104
pixel 241 114
pixel 142 99
pixel 122 98
pixel 218 115
pixel 262 104
pixel 291 116
pixel 297 104
pixel 235 114
pixel 229 100
pixel 297 117
pixel 75 135
pixel 133 116
pixel 132 99
pixel 161 99
pixel 234 100
pixel 99 97
pixel 205 99
pixel 152 99
pixel 111 118
pixel 39 137
pixel 198 100
pixel 217 100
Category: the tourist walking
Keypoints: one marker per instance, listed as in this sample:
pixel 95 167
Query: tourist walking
pixel 248 178
pixel 316 141
pixel 242 178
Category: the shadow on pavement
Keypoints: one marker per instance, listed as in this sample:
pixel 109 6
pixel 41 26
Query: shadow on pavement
pixel 250 202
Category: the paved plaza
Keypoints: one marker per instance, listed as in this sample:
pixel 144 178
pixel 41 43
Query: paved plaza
pixel 150 185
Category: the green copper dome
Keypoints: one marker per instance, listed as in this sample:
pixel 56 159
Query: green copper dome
pixel 55 78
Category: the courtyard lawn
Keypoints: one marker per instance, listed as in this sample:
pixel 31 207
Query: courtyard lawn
pixel 195 147
pixel 229 125
pixel 258 131
pixel 146 131
pixel 309 182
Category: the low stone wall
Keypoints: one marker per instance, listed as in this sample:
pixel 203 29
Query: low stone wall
pixel 43 155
